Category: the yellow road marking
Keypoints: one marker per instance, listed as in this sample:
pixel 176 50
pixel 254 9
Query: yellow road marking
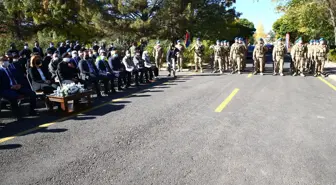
pixel 249 75
pixel 226 101
pixel 328 83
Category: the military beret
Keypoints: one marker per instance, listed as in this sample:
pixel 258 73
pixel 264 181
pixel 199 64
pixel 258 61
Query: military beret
pixel 198 39
pixel 225 41
pixel 311 41
pixel 158 42
pixel 236 38
pixel 240 39
pixel 321 39
pixel 218 41
pixel 178 41
pixel 280 39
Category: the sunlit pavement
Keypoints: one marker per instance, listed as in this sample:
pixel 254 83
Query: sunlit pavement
pixel 197 129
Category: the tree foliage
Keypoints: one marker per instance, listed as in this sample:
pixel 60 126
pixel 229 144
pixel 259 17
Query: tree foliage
pixel 122 20
pixel 306 18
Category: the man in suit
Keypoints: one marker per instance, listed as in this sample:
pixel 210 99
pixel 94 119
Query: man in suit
pixel 77 47
pixel 89 72
pixel 116 66
pixel 104 69
pixel 26 52
pixel 67 71
pixel 11 88
pixel 51 48
pixel 62 49
pixel 47 59
pixel 75 58
pixel 12 49
pixel 38 49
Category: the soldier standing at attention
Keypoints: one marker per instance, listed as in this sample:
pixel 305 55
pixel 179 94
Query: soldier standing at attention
pixel 198 54
pixel 244 54
pixel 278 55
pixel 310 52
pixel 233 55
pixel 158 54
pixel 259 53
pixel 320 56
pixel 179 55
pixel 300 54
pixel 218 50
pixel 226 55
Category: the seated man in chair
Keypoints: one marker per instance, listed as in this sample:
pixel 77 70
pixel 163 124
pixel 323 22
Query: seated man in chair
pixel 11 88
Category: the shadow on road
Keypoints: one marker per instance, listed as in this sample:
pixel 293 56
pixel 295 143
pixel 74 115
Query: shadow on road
pixel 101 106
pixel 10 146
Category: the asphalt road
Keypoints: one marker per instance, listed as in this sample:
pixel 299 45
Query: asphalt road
pixel 274 130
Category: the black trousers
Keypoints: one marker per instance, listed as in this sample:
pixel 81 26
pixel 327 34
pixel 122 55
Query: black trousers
pixel 129 75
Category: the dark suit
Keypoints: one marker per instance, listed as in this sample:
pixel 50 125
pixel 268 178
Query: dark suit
pixel 52 49
pixel 38 50
pixel 75 61
pixel 45 63
pixel 66 72
pixel 12 95
pixel 115 65
pixel 61 50
pixel 105 71
pixel 25 53
pixel 90 74
pixel 37 82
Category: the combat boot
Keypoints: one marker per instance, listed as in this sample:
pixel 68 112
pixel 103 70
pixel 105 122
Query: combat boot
pixel 261 74
pixel 255 73
pixel 315 75
pixel 303 75
pixel 295 73
pixel 274 74
pixel 281 74
pixel 323 75
pixel 239 72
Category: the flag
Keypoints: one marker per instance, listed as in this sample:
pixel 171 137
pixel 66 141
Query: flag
pixel 187 39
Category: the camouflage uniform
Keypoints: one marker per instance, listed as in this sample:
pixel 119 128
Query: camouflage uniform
pixel 299 54
pixel 158 55
pixel 218 50
pixel 279 52
pixel 259 53
pixel 237 54
pixel 179 55
pixel 198 56
pixel 310 53
pixel 320 56
pixel 227 55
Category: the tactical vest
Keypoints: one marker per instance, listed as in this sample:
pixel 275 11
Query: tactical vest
pixel 300 50
pixel 236 49
pixel 218 50
pixel 199 49
pixel 321 51
pixel 260 51
pixel 280 50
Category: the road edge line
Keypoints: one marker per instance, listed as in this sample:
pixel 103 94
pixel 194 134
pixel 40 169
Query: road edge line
pixel 221 107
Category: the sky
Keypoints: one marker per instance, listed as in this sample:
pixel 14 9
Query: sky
pixel 256 12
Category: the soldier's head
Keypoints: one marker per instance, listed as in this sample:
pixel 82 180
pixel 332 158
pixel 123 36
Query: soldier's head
pixel 240 40
pixel 314 42
pixel 311 42
pixel 95 43
pixel 280 40
pixel 322 41
pixel 158 42
pixel 49 52
pixel 236 40
pixel 172 47
pixel 222 43
pixel 51 44
pixel 300 41
pixel 218 42
pixel 260 41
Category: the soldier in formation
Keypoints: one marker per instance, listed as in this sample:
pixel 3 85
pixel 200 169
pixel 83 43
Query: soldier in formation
pixel 278 55
pixel 198 49
pixel 179 55
pixel 259 53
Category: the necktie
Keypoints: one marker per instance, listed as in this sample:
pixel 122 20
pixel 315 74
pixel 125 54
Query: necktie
pixel 11 77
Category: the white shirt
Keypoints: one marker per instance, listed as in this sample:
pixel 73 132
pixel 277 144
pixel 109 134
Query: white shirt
pixel 41 74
